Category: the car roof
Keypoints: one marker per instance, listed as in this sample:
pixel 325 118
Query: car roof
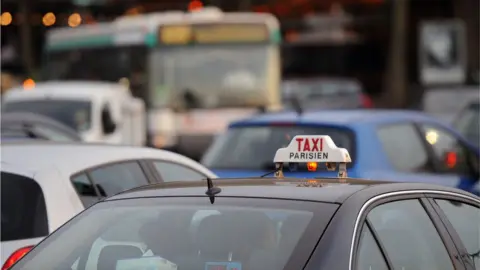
pixel 271 188
pixel 75 88
pixel 72 157
pixel 335 117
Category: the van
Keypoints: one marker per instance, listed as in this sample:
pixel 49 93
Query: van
pixel 100 112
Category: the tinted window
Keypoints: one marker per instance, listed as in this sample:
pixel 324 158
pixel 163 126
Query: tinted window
pixel 24 214
pixel 444 144
pixel 73 113
pixel 113 179
pixel 85 190
pixel 468 123
pixel 409 237
pixel 465 219
pixel 254 147
pixel 399 142
pixel 369 255
pixel 189 235
pixel 175 172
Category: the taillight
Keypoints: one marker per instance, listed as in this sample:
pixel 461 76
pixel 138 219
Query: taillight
pixel 366 101
pixel 17 255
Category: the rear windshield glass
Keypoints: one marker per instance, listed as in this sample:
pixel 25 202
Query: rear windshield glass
pixel 135 233
pixel 72 113
pixel 24 213
pixel 253 148
pixel 468 123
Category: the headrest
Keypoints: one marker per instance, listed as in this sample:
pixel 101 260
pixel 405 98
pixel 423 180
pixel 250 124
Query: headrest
pixel 111 254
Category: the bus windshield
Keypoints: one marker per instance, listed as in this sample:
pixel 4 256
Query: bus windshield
pixel 218 75
pixel 99 64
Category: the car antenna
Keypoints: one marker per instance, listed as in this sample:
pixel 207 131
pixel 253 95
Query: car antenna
pixel 277 169
pixel 296 105
pixel 212 190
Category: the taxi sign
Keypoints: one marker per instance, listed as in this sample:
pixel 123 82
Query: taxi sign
pixel 313 149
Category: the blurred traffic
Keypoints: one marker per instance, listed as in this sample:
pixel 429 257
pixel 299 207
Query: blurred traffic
pixel 144 96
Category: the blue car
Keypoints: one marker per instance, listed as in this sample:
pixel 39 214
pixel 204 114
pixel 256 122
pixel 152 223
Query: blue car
pixel 393 145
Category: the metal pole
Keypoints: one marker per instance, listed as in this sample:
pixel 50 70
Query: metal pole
pixel 395 79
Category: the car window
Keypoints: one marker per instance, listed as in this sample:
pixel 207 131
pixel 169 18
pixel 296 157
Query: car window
pixel 465 219
pixel 175 172
pixel 450 154
pixel 409 237
pixel 369 255
pixel 399 142
pixel 115 178
pixel 468 123
pixel 24 213
pixel 52 134
pixel 85 189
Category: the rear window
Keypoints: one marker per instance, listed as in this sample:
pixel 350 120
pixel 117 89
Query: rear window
pixel 186 233
pixel 72 113
pixel 253 148
pixel 468 123
pixel 24 213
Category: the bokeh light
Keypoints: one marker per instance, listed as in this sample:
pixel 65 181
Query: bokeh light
pixel 74 20
pixel 49 19
pixel 6 18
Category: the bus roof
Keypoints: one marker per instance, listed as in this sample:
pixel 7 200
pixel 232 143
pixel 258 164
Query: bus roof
pixel 136 29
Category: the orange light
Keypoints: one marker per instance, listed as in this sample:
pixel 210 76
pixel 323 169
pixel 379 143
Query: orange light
pixel 451 159
pixel 195 5
pixel 28 84
pixel 312 166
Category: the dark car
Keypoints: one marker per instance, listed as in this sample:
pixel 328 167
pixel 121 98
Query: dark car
pixel 24 125
pixel 325 93
pixel 263 223
pixel 468 123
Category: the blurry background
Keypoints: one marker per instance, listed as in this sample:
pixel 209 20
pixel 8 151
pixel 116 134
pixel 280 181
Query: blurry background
pixel 376 42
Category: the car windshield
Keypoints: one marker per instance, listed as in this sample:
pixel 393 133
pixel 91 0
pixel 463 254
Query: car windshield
pixel 219 76
pixel 253 147
pixel 468 123
pixel 182 233
pixel 75 114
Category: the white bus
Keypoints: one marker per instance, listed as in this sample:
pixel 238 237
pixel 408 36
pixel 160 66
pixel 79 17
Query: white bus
pixel 196 71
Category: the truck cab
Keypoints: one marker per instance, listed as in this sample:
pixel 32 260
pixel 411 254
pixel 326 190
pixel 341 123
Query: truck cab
pixel 98 111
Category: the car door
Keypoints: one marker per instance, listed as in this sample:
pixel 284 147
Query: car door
pixel 168 171
pixel 461 215
pixel 109 179
pixel 451 156
pixel 404 233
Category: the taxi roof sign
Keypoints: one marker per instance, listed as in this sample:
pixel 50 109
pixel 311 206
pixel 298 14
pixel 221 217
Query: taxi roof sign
pixel 312 148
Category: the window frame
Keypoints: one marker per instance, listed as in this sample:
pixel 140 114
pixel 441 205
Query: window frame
pixel 432 167
pixel 433 157
pixel 442 231
pixel 141 162
pixel 149 162
pixel 380 246
pixel 446 222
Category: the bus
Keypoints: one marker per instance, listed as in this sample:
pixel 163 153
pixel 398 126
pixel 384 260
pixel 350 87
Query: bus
pixel 196 71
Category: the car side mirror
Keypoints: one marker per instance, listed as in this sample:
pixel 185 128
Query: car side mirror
pixel 108 125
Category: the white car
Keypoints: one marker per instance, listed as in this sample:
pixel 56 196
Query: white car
pixel 44 184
